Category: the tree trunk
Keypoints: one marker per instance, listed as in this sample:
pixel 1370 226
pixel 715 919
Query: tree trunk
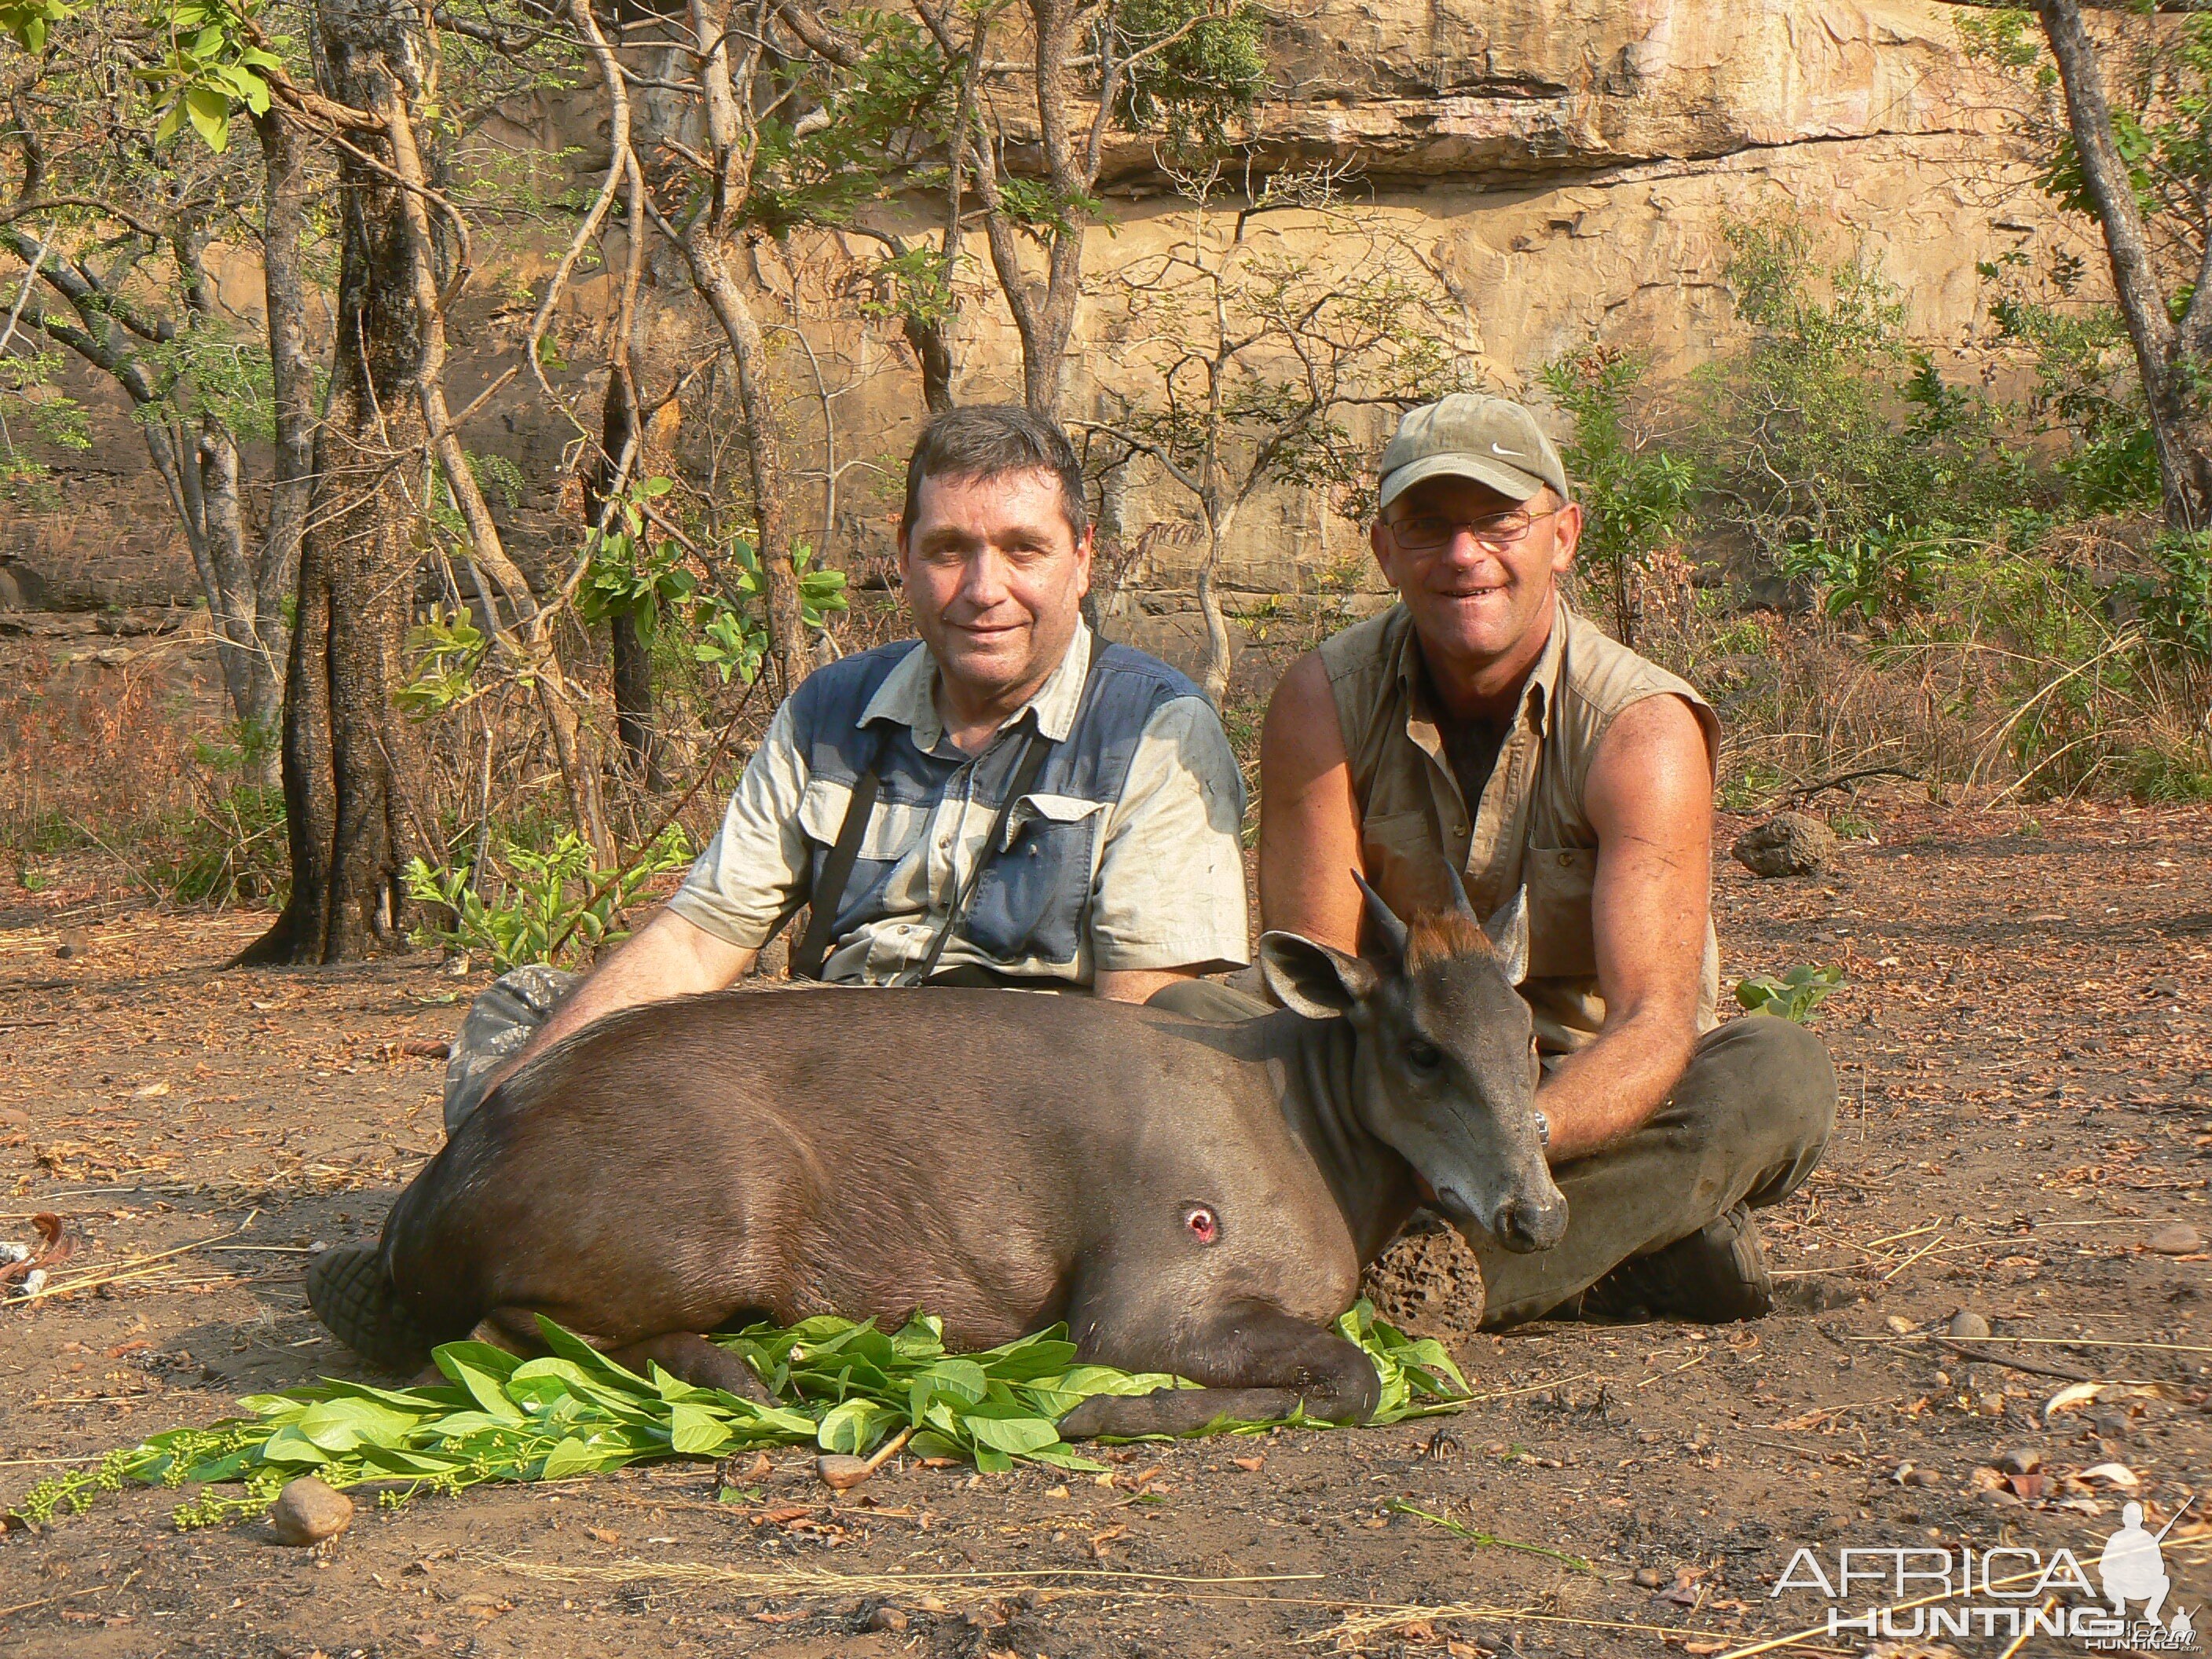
pixel 2169 358
pixel 932 349
pixel 1219 647
pixel 704 244
pixel 292 385
pixel 234 602
pixel 629 647
pixel 349 758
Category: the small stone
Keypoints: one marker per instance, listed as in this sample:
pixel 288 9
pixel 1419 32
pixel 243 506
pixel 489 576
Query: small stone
pixel 840 1472
pixel 457 965
pixel 2177 1239
pixel 307 1512
pixel 2020 1460
pixel 1651 1579
pixel 74 943
pixel 1967 1325
pixel 887 1619
pixel 1787 844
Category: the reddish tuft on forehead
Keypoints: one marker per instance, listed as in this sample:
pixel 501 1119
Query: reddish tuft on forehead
pixel 1436 936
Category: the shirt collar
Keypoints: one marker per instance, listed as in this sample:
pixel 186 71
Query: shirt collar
pixel 1538 692
pixel 908 696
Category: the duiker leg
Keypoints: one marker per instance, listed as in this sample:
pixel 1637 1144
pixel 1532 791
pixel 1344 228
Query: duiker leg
pixel 684 1355
pixel 1256 1362
pixel 692 1358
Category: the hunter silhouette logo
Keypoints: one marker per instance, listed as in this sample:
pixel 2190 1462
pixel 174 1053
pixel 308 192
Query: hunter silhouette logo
pixel 2133 1568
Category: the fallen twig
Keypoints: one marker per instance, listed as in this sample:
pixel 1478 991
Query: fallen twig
pixel 2064 1372
pixel 2038 1341
pixel 1808 790
pixel 132 1269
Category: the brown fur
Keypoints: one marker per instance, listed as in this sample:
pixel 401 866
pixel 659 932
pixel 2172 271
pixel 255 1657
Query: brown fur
pixel 1439 936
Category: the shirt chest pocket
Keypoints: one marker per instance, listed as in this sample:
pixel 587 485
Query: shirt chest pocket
pixel 1031 898
pixel 893 828
pixel 1562 938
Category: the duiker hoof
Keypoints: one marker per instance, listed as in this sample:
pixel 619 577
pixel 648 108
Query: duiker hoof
pixel 353 1296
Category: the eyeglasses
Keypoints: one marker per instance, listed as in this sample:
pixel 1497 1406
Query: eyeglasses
pixel 1425 531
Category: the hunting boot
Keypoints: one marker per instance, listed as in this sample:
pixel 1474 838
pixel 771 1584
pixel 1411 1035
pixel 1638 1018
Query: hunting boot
pixel 1716 1276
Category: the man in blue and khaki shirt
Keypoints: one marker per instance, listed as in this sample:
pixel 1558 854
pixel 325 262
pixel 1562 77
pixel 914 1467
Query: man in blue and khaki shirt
pixel 1006 800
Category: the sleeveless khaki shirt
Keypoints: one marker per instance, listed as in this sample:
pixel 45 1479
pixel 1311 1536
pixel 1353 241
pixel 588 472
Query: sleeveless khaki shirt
pixel 1530 828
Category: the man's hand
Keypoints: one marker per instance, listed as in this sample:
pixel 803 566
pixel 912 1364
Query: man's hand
pixel 1650 797
pixel 665 958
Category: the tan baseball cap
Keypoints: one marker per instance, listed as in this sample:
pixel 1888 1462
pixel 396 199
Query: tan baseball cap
pixel 1471 436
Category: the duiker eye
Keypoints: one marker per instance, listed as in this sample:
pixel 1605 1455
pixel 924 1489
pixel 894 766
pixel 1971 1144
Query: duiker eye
pixel 1424 1056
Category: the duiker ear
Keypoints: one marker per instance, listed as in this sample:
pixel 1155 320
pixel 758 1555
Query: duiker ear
pixel 1313 979
pixel 1509 932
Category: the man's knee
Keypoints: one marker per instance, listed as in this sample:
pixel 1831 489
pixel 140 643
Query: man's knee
pixel 1767 1087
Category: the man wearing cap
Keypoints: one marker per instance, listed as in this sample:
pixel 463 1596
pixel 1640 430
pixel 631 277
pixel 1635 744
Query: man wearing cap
pixel 1481 723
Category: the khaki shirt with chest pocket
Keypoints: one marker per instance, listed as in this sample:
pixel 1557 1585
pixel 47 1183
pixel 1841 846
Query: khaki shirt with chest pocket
pixel 1530 829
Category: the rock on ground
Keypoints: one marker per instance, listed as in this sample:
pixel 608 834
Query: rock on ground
pixel 307 1512
pixel 1787 844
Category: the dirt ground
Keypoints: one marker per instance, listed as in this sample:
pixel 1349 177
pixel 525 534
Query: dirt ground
pixel 2027 1081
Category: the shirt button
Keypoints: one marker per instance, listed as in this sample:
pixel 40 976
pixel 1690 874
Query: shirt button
pixel 1566 860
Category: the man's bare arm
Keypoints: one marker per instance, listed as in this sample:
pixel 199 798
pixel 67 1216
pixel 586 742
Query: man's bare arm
pixel 1137 984
pixel 667 957
pixel 1308 816
pixel 1650 796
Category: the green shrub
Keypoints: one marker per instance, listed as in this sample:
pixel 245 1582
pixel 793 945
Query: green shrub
pixel 1636 497
pixel 2176 603
pixel 1794 996
pixel 1826 425
pixel 231 849
pixel 552 905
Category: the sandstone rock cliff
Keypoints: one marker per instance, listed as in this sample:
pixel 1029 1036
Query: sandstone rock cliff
pixel 1571 161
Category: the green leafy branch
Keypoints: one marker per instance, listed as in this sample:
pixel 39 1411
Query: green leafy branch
pixel 840 1386
pixel 631 573
pixel 216 60
pixel 548 900
pixel 1794 996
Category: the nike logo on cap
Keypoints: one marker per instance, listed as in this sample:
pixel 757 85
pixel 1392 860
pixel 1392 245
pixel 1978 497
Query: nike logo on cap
pixel 1515 453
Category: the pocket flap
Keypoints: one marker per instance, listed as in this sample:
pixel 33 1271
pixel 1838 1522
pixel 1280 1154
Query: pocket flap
pixel 1048 809
pixel 891 828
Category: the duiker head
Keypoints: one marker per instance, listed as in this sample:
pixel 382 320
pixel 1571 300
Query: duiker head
pixel 1447 1055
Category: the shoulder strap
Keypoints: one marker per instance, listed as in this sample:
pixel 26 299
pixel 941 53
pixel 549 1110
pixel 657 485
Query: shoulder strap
pixel 1036 746
pixel 807 956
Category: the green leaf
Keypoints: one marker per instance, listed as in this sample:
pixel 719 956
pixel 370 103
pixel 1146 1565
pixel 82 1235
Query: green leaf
pixel 339 1426
pixel 483 1388
pixel 289 1445
pixel 571 1456
pixel 850 1428
pixel 210 116
pixel 695 1432
pixel 1019 1435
